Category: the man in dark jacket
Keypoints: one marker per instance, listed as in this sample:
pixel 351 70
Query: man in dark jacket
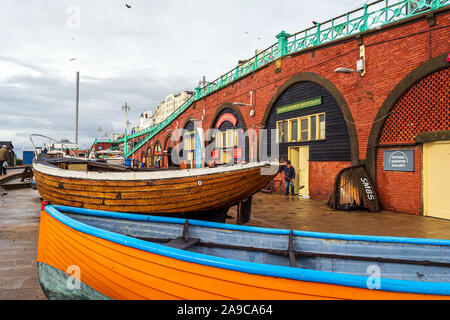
pixel 289 178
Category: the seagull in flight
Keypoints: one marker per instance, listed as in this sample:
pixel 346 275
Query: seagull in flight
pixel 127 5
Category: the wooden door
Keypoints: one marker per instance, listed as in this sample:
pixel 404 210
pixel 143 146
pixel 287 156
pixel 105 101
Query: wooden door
pixel 436 179
pixel 303 171
pixel 294 157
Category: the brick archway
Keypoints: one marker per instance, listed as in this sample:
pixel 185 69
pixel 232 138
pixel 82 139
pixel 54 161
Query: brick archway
pixel 231 116
pixel 332 89
pixel 424 70
pixel 167 150
pixel 228 105
pixel 149 156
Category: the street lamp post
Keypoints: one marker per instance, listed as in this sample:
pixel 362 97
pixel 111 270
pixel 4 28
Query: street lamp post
pixel 99 131
pixel 125 108
pixel 76 106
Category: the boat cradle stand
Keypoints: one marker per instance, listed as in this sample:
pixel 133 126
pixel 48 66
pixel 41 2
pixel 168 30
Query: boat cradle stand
pixel 243 211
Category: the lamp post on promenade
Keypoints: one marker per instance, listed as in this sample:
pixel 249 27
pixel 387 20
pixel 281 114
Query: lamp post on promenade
pixel 76 106
pixel 125 108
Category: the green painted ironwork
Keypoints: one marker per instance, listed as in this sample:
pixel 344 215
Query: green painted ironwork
pixel 370 16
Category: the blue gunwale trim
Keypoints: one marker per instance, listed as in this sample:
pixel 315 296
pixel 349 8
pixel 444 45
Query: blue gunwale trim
pixel 310 234
pixel 392 285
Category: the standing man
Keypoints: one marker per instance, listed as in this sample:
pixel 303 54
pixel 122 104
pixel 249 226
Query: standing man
pixel 283 167
pixel 289 178
pixel 4 156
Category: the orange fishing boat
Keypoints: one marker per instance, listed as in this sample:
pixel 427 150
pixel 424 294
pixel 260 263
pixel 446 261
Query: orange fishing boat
pixel 90 254
pixel 100 186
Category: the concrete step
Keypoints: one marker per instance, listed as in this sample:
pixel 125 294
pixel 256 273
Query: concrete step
pixel 16 185
pixel 10 176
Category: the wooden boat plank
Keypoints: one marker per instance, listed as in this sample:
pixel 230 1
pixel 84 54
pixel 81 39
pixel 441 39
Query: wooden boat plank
pixel 179 192
pixel 55 199
pixel 225 196
pixel 71 197
pixel 82 186
pixel 147 206
pixel 131 197
pixel 154 182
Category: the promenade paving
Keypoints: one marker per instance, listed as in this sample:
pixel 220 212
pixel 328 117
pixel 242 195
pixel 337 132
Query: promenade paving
pixel 19 228
pixel 295 212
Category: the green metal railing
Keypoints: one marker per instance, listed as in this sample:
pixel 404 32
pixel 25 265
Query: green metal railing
pixel 370 16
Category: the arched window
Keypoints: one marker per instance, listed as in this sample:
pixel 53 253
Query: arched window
pixel 157 155
pixel 188 143
pixel 148 162
pixel 231 145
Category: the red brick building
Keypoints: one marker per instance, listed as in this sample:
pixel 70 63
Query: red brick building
pixel 401 102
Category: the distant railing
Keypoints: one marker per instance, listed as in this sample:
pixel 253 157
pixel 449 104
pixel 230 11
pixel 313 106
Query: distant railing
pixel 370 16
pixel 49 138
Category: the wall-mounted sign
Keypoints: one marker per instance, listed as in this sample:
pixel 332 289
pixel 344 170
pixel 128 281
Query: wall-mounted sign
pixel 300 105
pixel 399 160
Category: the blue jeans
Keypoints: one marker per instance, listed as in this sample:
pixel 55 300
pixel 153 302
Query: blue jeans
pixel 287 185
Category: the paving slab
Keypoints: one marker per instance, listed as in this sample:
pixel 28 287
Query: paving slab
pixel 19 228
pixel 295 212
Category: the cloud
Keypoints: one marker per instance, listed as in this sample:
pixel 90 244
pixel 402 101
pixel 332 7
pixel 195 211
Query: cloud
pixel 136 55
pixel 45 104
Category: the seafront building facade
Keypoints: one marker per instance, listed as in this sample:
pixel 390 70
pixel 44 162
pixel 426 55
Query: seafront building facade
pixel 368 88
pixel 147 119
pixel 163 110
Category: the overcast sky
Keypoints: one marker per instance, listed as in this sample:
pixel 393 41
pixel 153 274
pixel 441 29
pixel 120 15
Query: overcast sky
pixel 136 55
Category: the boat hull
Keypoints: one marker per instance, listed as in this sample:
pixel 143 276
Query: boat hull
pixel 108 269
pixel 58 285
pixel 182 191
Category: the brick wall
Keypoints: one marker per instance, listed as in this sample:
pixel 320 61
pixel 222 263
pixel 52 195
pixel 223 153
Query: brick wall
pixel 423 108
pixel 321 177
pixel 391 54
pixel 363 95
pixel 102 146
pixel 400 191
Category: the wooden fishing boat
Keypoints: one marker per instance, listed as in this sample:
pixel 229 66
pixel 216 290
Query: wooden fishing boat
pixel 95 185
pixel 112 255
pixel 111 156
